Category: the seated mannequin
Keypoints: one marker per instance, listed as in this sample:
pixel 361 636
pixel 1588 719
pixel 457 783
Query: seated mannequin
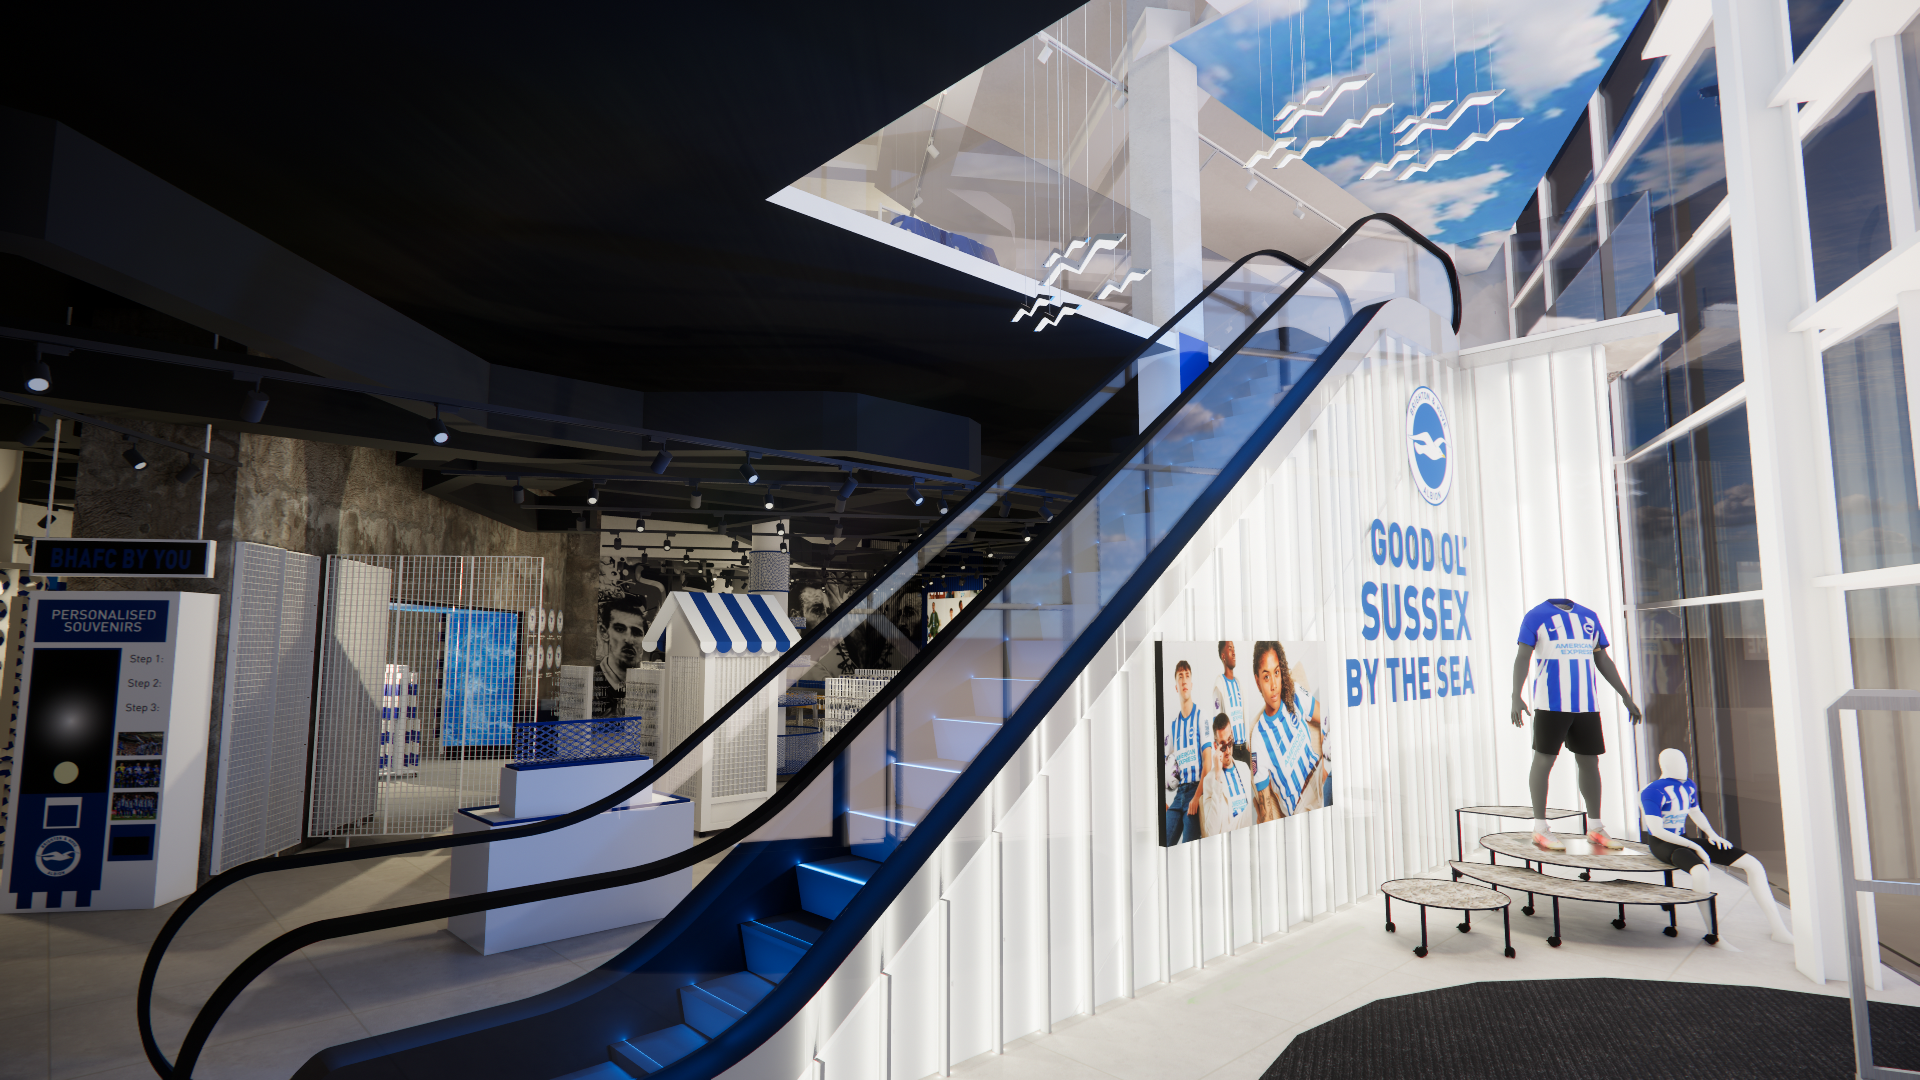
pixel 1666 806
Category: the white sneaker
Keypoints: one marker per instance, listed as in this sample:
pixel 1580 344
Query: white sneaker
pixel 1598 838
pixel 1546 841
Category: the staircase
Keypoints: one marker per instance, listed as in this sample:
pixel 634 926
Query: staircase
pixel 772 945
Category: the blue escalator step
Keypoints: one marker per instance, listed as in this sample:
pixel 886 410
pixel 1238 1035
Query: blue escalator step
pixel 606 1070
pixel 742 989
pixel 655 1050
pixel 827 885
pixel 777 942
pixel 707 1012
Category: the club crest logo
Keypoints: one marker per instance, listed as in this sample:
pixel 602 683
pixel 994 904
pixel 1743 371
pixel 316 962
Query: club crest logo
pixel 1429 446
pixel 57 856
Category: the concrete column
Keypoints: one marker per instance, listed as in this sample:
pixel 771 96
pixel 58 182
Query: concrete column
pixel 1792 468
pixel 1163 182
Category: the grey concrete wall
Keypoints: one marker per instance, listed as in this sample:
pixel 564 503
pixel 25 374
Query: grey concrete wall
pixel 316 498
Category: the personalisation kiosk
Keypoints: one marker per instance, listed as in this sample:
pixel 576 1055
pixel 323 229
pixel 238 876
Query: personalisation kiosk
pixel 115 692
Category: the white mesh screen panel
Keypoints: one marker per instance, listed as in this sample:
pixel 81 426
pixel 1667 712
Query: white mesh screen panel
pixel 263 739
pixel 426 664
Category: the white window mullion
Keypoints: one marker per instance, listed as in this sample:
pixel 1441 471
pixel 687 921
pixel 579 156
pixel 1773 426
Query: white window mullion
pixel 1896 139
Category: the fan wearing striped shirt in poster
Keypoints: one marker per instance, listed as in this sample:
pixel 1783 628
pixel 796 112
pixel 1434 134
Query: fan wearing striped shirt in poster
pixel 1564 646
pixel 1291 771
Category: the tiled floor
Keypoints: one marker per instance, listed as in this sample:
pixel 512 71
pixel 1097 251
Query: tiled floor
pixel 67 980
pixel 1253 1004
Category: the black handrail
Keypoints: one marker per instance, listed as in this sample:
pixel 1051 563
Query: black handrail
pixel 230 988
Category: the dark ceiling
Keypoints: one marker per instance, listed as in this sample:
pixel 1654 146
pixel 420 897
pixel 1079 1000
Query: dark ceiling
pixel 580 190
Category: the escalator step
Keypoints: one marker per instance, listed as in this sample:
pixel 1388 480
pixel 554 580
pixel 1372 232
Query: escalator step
pixel 827 885
pixel 606 1070
pixel 707 1013
pixel 655 1050
pixel 775 943
pixel 919 784
pixel 962 739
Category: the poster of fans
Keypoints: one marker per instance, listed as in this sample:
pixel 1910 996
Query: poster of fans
pixel 1243 735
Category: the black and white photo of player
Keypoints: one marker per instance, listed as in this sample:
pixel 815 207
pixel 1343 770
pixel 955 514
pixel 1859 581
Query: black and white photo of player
pixel 623 622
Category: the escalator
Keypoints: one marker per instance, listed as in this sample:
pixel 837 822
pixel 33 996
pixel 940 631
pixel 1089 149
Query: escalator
pixel 808 874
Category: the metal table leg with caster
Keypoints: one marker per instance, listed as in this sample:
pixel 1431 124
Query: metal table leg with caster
pixel 1713 912
pixel 1467 923
pixel 1555 939
pixel 1621 922
pixel 1422 950
pixel 1506 920
pixel 1389 901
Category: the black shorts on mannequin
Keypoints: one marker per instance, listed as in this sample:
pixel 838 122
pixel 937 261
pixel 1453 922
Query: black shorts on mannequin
pixel 1686 858
pixel 1580 731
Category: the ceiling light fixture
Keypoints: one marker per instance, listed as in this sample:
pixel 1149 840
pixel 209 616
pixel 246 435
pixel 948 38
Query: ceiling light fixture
pixel 254 407
pixel 134 457
pixel 662 459
pixel 749 470
pixel 519 493
pixel 847 489
pixel 768 501
pixel 669 544
pixel 190 471
pixel 593 495
pixel 943 507
pixel 616 539
pixel 34 431
pixel 40 379
pixel 693 499
pixel 440 432
pixel 913 492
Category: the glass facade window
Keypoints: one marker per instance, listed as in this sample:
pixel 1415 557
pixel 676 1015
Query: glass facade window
pixel 1872 438
pixel 1846 191
pixel 1532 305
pixel 1711 697
pixel 1627 80
pixel 1883 627
pixel 1632 257
pixel 1576 273
pixel 1680 169
pixel 1698 363
pixel 1526 242
pixel 1713 504
pixel 1654 539
pixel 1805 18
pixel 1572 170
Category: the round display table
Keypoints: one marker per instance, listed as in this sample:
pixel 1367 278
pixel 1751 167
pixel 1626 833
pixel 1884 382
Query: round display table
pixel 1448 896
pixel 1632 858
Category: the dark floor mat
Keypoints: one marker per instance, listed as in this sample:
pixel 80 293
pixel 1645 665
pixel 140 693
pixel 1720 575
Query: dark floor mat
pixel 1598 1029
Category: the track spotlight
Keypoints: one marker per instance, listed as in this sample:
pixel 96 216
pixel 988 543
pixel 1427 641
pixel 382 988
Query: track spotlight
pixel 779 528
pixel 255 406
pixel 639 526
pixel 40 379
pixel 593 495
pixel 783 545
pixel 519 493
pixel 616 540
pixel 668 546
pixel 749 470
pixel 34 431
pixel 768 501
pixel 839 506
pixel 736 545
pixel 943 508
pixel 913 492
pixel 662 460
pixel 440 432
pixel 847 489
pixel 190 471
pixel 693 498
pixel 1026 536
pixel 1046 508
pixel 135 458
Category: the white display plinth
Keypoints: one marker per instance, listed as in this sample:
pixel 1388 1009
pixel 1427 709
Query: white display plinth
pixel 534 790
pixel 648 828
pixel 112 761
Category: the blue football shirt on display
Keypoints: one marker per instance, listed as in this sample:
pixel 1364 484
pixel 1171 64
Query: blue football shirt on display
pixel 1669 800
pixel 1563 643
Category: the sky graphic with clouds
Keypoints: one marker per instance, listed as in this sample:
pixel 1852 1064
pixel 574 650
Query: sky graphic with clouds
pixel 1547 57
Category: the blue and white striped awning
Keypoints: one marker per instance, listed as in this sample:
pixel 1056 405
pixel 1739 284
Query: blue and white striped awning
pixel 724 622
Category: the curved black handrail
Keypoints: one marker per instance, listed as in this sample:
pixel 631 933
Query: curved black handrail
pixel 290 942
